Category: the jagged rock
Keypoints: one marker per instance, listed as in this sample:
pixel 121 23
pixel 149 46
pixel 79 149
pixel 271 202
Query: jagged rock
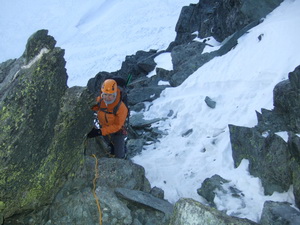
pixel 130 65
pixel 138 107
pixel 137 95
pixel 285 115
pixel 143 198
pixel 268 157
pixel 183 53
pixel 189 66
pixel 163 74
pixel 147 65
pixel 42 128
pixel 271 158
pixel 271 121
pixel 145 208
pixel 294 149
pixel 219 18
pixel 36 43
pixel 209 186
pixel 189 211
pixel 138 121
pixel 5 68
pixel 157 192
pixel 279 213
pixel 135 146
pixel 287 100
pixel 295 79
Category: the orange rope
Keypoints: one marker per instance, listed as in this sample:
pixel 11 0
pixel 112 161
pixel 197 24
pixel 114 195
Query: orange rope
pixel 94 188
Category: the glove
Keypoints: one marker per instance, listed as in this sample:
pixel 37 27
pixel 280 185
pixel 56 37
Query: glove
pixel 94 133
pixel 95 107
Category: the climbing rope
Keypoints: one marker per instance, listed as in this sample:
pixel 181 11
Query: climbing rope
pixel 94 189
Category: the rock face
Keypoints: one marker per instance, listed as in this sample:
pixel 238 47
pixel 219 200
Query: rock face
pixel 220 18
pixel 36 109
pixel 272 159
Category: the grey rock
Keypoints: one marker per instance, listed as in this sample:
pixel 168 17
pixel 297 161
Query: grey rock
pixel 210 103
pixel 119 173
pixel 209 186
pixel 138 121
pixel 135 146
pixel 183 53
pixel 189 211
pixel 145 199
pixel 36 43
pixel 157 192
pixel 219 19
pixel 294 149
pixel 279 213
pixel 273 169
pixel 143 94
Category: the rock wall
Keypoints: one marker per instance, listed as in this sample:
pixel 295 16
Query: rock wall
pixel 272 159
pixel 42 126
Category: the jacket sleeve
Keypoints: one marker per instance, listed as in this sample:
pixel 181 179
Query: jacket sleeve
pixel 119 121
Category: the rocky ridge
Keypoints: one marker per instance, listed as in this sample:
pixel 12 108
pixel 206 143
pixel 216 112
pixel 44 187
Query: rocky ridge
pixel 48 167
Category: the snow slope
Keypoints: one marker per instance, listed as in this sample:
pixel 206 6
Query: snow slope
pixel 96 34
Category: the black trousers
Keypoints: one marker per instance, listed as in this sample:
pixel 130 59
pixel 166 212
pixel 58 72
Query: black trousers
pixel 117 143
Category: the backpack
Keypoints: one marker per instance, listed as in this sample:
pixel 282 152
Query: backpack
pixel 122 85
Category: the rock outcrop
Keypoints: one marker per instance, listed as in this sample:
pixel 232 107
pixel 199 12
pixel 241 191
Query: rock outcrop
pixel 219 18
pixel 40 142
pixel 272 159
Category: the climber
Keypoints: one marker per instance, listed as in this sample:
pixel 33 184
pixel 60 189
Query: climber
pixel 111 114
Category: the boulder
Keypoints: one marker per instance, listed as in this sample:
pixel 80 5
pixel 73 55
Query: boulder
pixel 210 103
pixel 210 186
pixel 189 211
pixel 279 213
pixel 146 199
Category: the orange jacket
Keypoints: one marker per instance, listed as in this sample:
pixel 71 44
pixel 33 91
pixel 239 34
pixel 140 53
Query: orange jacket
pixel 109 122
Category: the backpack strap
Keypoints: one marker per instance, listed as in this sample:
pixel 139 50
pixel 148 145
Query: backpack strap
pixel 115 110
